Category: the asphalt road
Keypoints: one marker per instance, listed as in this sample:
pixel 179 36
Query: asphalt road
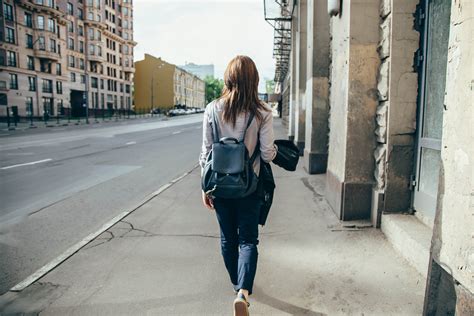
pixel 58 186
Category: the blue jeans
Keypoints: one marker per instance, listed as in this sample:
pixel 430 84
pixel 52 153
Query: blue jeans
pixel 238 221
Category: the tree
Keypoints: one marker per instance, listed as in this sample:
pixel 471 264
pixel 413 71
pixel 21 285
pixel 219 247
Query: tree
pixel 269 86
pixel 214 88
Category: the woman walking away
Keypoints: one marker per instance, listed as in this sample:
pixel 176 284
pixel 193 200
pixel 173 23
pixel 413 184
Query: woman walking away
pixel 237 115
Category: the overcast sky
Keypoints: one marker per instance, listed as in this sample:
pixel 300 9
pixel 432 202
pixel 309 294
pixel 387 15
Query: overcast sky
pixel 204 32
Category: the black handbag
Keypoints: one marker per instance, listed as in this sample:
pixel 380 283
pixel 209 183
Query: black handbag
pixel 228 172
pixel 287 154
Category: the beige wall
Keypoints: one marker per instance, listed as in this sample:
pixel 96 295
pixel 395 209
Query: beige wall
pixel 452 243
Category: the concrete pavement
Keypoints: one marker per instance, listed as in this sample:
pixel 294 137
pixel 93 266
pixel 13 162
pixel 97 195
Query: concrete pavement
pixel 164 259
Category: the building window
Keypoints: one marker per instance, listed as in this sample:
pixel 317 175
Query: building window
pixel 31 83
pixel 80 30
pixel 11 59
pixel 52 45
pixel 70 8
pixel 14 81
pixel 60 107
pixel 47 86
pixel 10 35
pixel 127 88
pixel 102 83
pixel 48 106
pixel 40 22
pixel 51 25
pixel 70 27
pixel 70 43
pixel 81 64
pixel 91 34
pixel 8 12
pixel 81 46
pixel 80 14
pixel 29 41
pixel 73 77
pixel 83 79
pixel 28 20
pixel 41 43
pixel 29 106
pixel 30 62
pixel 59 87
pixel 71 61
pixel 45 66
pixel 58 69
pixel 94 82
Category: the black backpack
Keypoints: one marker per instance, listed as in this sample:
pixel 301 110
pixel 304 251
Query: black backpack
pixel 228 172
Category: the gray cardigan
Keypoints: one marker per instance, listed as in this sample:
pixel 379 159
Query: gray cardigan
pixel 262 130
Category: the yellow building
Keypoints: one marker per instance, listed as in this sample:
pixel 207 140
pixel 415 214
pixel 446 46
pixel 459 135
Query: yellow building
pixel 161 85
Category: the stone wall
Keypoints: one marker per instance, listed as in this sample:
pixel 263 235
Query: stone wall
pixel 452 246
pixel 396 113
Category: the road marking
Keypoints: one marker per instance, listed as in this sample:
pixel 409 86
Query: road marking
pixel 131 143
pixel 174 133
pixel 20 154
pixel 26 164
pixel 78 246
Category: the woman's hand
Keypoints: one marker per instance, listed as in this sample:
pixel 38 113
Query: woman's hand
pixel 207 201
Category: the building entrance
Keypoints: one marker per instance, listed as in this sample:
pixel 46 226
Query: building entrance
pixel 434 51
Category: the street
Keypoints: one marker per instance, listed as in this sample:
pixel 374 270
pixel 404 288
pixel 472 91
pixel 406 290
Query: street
pixel 60 185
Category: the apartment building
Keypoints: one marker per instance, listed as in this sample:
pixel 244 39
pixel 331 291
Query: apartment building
pixel 161 85
pixel 65 57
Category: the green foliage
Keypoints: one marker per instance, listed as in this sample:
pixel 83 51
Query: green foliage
pixel 214 88
pixel 269 86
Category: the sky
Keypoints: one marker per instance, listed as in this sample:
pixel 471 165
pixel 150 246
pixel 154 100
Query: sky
pixel 204 32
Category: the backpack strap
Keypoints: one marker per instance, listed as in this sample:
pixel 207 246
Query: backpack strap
pixel 248 124
pixel 215 133
pixel 255 152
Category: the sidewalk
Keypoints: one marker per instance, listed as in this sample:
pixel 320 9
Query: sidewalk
pixel 164 259
pixel 53 122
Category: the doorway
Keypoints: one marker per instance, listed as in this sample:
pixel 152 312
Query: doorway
pixel 434 46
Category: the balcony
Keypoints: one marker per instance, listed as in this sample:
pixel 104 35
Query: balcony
pixel 45 54
pixel 95 58
pixel 93 23
pixel 129 68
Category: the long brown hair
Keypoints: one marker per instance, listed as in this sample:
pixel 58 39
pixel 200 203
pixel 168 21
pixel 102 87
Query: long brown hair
pixel 240 93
